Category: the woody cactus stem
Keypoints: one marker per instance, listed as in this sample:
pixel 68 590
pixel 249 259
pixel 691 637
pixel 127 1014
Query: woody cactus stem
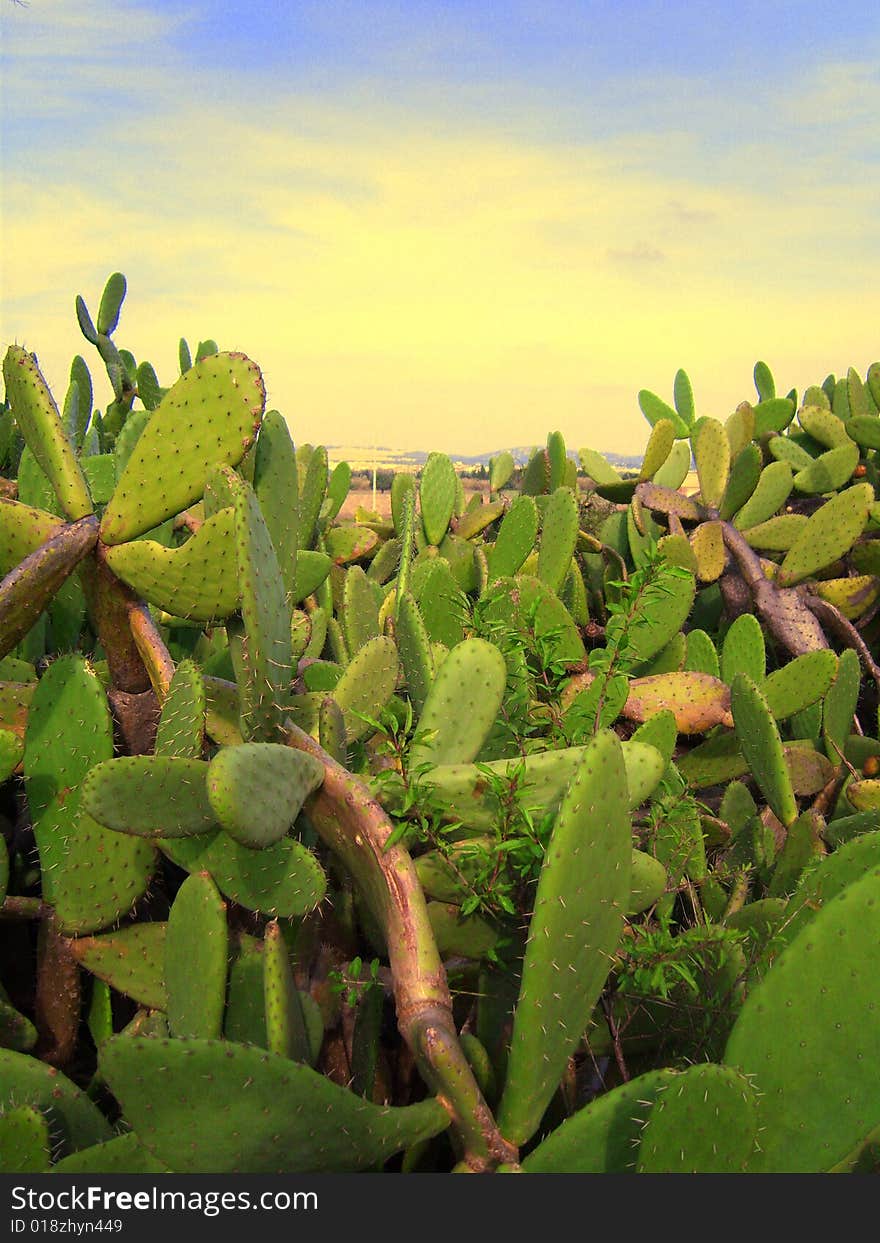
pixel 356 828
pixel 151 647
pixel 109 602
pixel 782 609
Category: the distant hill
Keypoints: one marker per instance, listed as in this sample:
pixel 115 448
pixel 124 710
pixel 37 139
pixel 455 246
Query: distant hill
pixel 361 457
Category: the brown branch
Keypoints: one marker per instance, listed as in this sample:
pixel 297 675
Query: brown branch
pixel 357 829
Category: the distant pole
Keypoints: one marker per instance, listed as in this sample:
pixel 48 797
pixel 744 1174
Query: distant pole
pixel 374 479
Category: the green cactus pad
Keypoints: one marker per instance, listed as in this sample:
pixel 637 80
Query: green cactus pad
pixel 559 529
pixel 541 778
pixel 40 423
pixel 131 960
pixel 367 685
pixel 181 730
pixel 810 1036
pixel 208 417
pixel 257 790
pixel 704 1121
pixel 414 647
pixel 745 472
pixel 743 650
pixel 462 705
pixel 197 580
pixel 674 470
pixel 437 491
pixel 286 1031
pixel 515 539
pixel 658 448
pixel 23 529
pixel 786 449
pixel 578 917
pixel 660 613
pixel 830 471
pixel 823 426
pixel 312 568
pixel 655 408
pixel 864 429
pixel 150 796
pixel 234 1108
pixel 777 534
pixel 701 655
pixel 345 544
pixel 598 468
pixel 90 875
pixel 25 1143
pixel 441 601
pixel 827 535
pixel 264 671
pixel 659 732
pixel 772 491
pixel 16 1031
pixel 648 881
pixel 277 489
pixel 360 609
pixel 196 949
pixel 465 936
pixel 124 1154
pixel 283 880
pixel 74 1121
pixel 772 415
pixel 839 705
pixel 712 456
pixel 800 683
pixel 603 1137
pixel 761 746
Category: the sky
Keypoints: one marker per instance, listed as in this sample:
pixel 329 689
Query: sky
pixel 456 225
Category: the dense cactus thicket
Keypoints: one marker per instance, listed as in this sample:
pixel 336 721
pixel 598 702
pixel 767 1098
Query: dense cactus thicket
pixel 538 833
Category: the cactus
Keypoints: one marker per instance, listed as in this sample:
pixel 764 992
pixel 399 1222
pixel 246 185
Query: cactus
pixel 461 705
pixel 195 953
pixel 230 1107
pixel 805 1033
pixel 91 875
pixel 130 960
pixel 257 790
pixel 197 580
pixel 37 416
pixel 762 747
pixel 577 921
pixel 209 417
pixel 704 1121
pixel 559 530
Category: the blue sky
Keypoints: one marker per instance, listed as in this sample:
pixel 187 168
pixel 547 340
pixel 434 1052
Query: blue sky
pixel 464 224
